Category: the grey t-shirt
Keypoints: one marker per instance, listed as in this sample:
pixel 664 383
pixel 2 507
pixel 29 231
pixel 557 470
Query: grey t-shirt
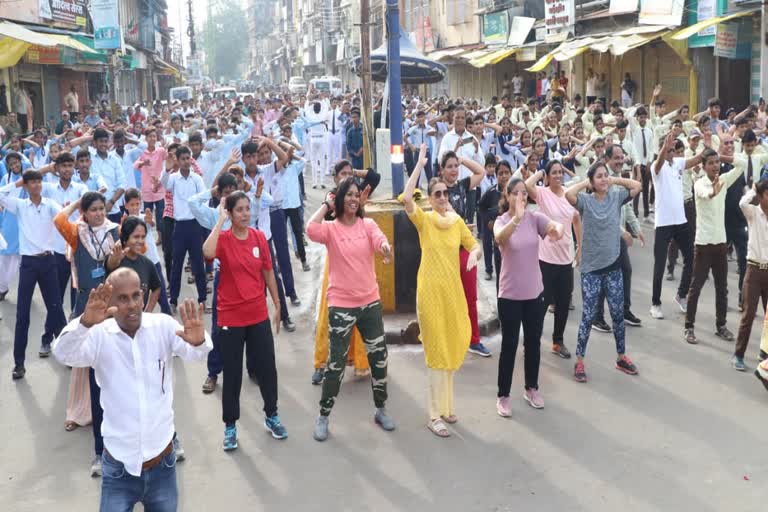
pixel 601 221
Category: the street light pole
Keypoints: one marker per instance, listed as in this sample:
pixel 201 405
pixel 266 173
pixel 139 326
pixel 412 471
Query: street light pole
pixel 395 105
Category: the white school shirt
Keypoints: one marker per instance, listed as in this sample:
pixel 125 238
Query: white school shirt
pixel 36 230
pixel 136 380
pixel 669 204
pixel 64 196
pixel 182 189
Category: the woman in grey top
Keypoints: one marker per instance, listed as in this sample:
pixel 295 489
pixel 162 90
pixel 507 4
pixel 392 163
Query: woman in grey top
pixel 600 260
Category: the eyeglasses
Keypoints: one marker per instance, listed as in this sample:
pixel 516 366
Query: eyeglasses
pixel 440 193
pixel 524 192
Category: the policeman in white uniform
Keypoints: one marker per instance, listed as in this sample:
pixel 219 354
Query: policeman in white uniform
pixel 319 142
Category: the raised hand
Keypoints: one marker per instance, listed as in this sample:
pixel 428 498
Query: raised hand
pixel 259 187
pixel 192 321
pixel 149 219
pixel 519 206
pixel 98 309
pixel 235 155
pixel 423 155
pixel 386 252
pixel 117 255
pixel 657 90
pixel 364 195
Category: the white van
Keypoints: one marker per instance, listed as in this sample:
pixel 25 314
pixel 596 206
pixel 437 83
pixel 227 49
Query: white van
pixel 180 94
pixel 329 84
pixel 225 92
pixel 297 85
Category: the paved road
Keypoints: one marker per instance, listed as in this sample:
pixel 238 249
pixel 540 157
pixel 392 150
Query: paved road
pixel 686 434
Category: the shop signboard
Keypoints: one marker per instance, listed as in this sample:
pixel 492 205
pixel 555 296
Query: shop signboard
pixel 43 54
pixel 726 40
pixel 68 12
pixel 495 27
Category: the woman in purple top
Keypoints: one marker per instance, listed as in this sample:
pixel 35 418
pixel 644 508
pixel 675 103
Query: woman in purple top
pixel 521 298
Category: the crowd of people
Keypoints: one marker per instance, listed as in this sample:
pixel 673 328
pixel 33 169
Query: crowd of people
pixel 529 188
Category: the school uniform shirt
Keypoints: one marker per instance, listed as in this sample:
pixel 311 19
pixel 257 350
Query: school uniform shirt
pixel 418 135
pixel 36 230
pixel 241 298
pixel 131 153
pixel 644 142
pixel 93 183
pixel 669 204
pixel 136 380
pixel 153 170
pixel 64 196
pixel 111 170
pixel 757 245
pixel 182 189
pixel 710 212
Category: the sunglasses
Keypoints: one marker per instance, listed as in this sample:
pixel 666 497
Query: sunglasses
pixel 440 193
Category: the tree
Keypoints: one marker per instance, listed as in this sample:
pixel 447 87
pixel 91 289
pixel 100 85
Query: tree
pixel 225 40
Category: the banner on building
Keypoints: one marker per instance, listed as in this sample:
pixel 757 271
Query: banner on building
pixel 106 24
pixel 518 33
pixel 558 15
pixel 70 12
pixel 726 40
pixel 527 54
pixel 661 12
pixel 423 38
pixel 43 55
pixel 705 10
pixel 495 27
pixel 622 6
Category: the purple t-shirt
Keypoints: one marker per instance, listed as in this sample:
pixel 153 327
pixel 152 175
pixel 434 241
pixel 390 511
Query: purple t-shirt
pixel 520 277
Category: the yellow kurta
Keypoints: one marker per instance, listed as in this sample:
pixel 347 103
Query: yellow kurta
pixel 440 303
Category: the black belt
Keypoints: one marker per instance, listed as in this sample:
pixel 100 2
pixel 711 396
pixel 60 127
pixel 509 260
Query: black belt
pixel 40 255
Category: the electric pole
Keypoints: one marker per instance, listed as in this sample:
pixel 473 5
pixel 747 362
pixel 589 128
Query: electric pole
pixel 365 82
pixel 191 31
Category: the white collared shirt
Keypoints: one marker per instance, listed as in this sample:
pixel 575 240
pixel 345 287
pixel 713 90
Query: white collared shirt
pixel 757 246
pixel 136 380
pixel 466 151
pixel 64 196
pixel 111 170
pixel 182 189
pixel 36 230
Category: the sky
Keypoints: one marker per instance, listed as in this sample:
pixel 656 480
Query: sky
pixel 178 13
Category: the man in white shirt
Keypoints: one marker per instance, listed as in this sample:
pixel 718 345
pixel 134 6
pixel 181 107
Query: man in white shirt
pixel 139 462
pixel 517 84
pixel 319 136
pixel 643 139
pixel 671 223
pixel 187 233
pixel 72 102
pixel 38 264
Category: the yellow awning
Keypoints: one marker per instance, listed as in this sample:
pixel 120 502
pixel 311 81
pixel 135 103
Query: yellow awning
pixel 492 57
pixel 698 27
pixel 473 54
pixel 20 33
pixel 71 42
pixel 163 68
pixel 542 63
pixel 15 40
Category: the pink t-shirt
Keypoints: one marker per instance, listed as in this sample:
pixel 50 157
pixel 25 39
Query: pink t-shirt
pixel 155 168
pixel 559 210
pixel 520 276
pixel 351 249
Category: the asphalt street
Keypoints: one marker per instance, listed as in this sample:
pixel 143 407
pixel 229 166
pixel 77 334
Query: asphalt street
pixel 687 433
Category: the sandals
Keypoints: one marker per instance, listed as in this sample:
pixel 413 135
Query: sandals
pixel 438 428
pixel 451 419
pixel 69 426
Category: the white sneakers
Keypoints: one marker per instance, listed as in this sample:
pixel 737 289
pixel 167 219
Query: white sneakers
pixel 656 312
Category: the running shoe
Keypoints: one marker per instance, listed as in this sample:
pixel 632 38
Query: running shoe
pixel 625 364
pixel 317 377
pixel 45 350
pixel 383 419
pixel 723 332
pixel 533 397
pixel 631 319
pixel 321 428
pixel 502 407
pixel 230 437
pixel 656 312
pixel 561 350
pixel 600 326
pixel 579 373
pixel 275 427
pixel 690 337
pixel 738 364
pixel 480 350
pixel 682 303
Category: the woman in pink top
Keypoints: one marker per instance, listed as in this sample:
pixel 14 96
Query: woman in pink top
pixel 353 297
pixel 521 298
pixel 556 258
pixel 151 164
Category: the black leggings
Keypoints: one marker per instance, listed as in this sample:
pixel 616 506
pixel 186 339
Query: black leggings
pixel 257 341
pixel 511 314
pixel 558 288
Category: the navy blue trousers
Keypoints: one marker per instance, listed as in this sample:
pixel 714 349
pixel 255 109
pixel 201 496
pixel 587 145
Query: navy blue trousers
pixel 187 236
pixel 37 271
pixel 280 241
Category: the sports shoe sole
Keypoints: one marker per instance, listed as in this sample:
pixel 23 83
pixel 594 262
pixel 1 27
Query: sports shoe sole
pixel 560 354
pixel 743 368
pixel 725 338
pixel 600 329
pixel 272 433
pixel 633 323
pixel 478 353
pixel 625 370
pixel 530 402
pixel 231 448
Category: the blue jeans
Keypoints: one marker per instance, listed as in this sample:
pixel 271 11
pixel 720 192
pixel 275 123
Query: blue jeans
pixel 156 489
pixel 187 236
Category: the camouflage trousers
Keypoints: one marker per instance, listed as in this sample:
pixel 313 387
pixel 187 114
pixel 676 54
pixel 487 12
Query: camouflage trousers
pixel 371 326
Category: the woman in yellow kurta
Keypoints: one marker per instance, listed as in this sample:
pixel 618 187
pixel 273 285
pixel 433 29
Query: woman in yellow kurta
pixel 440 302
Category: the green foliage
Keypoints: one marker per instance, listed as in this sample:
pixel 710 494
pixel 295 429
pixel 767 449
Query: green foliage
pixel 225 39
